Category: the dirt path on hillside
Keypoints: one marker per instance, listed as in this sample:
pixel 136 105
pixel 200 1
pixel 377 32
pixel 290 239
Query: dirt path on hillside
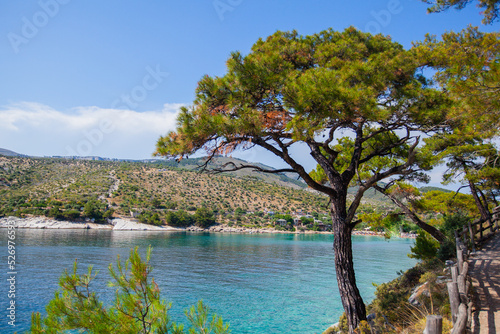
pixel 485 273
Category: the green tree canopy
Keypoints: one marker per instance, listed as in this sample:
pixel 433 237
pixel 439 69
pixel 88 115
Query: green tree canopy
pixel 491 7
pixel 467 68
pixel 204 217
pixel 312 90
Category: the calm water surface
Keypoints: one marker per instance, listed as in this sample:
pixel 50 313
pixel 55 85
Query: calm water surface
pixel 259 283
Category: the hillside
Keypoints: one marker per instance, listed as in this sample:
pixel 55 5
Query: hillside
pixel 9 153
pixel 36 185
pixel 75 189
pixel 284 179
pixel 427 189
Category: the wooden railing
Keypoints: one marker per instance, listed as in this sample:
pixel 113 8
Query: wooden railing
pixel 485 229
pixel 459 287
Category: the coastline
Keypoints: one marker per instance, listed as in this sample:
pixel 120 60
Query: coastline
pixel 121 224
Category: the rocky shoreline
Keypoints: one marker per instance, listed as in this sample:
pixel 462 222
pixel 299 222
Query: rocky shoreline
pixel 118 224
pixel 121 224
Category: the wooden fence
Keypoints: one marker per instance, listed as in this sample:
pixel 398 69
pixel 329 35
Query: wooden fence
pixel 459 287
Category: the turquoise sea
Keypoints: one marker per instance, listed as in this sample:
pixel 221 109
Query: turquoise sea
pixel 259 283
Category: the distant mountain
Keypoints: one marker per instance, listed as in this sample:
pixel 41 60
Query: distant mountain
pixel 97 158
pixel 10 153
pixel 284 179
pixel 30 184
pixel 427 189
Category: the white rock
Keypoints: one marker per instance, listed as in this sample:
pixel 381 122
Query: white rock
pixel 48 223
pixel 129 225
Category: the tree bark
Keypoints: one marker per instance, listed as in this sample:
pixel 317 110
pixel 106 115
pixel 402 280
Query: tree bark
pixel 485 214
pixel 352 302
pixel 434 232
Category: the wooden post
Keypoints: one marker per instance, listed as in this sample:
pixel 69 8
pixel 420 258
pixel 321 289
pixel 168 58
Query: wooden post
pixel 461 283
pixel 462 289
pixel 464 234
pixel 469 314
pixel 472 235
pixel 454 273
pixel 434 324
pixel 465 268
pixel 454 299
pixel 460 260
pixel 459 326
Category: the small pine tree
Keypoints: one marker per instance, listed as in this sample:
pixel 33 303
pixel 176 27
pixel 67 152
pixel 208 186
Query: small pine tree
pixel 137 307
pixel 425 247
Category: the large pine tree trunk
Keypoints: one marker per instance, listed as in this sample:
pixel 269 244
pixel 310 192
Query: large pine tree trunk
pixel 483 210
pixel 354 306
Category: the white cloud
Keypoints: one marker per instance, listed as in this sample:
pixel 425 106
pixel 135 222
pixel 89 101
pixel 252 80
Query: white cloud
pixel 37 129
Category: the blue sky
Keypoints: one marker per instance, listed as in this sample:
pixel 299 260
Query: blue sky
pixel 107 77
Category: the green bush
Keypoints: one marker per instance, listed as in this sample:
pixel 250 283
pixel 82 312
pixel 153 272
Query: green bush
pixel 150 218
pixel 447 250
pixel 454 222
pixel 92 210
pixel 71 214
pixel 109 213
pixel 425 247
pixel 55 213
pixel 179 218
pixel 204 217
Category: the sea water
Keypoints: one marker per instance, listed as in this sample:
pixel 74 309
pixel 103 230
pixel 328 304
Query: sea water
pixel 259 283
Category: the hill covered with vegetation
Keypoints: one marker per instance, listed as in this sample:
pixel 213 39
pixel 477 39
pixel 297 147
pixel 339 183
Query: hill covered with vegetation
pixel 9 153
pixel 69 188
pixel 174 193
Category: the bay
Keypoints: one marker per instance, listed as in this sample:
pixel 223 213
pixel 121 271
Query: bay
pixel 259 283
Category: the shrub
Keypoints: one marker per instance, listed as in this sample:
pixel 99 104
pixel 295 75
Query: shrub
pixel 204 217
pixel 55 213
pixel 71 214
pixel 425 247
pixel 179 218
pixel 453 222
pixel 109 213
pixel 447 250
pixel 92 210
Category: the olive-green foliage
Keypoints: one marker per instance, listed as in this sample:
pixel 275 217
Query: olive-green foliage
pixel 391 307
pixel 447 250
pixel 342 325
pixel 425 247
pixel 93 210
pixel 451 223
pixel 198 317
pixel 31 186
pixel 490 12
pixel 54 212
pixel 108 213
pixel 330 330
pixel 151 218
pixel 454 222
pixel 179 218
pixel 204 217
pixel 137 307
